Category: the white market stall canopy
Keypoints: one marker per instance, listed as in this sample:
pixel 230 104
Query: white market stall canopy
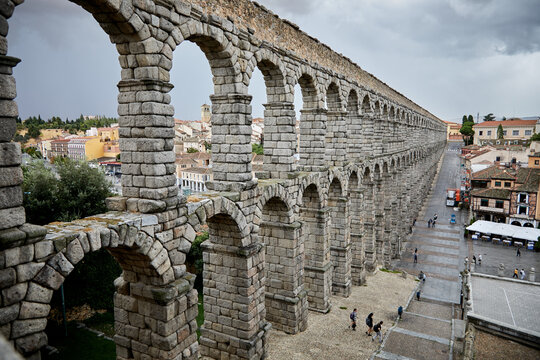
pixel 516 232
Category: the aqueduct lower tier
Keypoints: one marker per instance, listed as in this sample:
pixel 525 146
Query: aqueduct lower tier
pixel 279 244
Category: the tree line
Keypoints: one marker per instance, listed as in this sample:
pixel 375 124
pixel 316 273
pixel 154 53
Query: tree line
pixel 34 125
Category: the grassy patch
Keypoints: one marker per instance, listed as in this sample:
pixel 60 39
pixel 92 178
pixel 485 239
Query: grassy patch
pixel 343 307
pixel 80 344
pixel 391 271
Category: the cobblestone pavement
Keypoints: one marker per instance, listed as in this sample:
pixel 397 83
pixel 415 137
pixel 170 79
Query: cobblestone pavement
pixel 514 303
pixel 425 331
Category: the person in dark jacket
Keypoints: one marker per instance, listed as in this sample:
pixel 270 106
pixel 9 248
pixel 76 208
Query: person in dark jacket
pixel 377 329
pixel 369 323
pixel 353 317
pixel 400 311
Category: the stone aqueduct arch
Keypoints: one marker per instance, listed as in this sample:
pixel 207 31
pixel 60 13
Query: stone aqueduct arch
pixel 280 244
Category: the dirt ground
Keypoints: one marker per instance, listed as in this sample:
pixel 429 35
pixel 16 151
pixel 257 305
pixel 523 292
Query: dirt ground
pixel 328 336
pixel 487 346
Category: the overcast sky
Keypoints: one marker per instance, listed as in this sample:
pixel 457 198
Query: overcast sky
pixel 452 57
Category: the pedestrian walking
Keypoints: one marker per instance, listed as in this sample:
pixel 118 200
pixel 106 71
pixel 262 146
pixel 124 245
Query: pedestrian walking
pixel 414 221
pixel 418 295
pixel 400 311
pixel 480 259
pixel 435 217
pixel 369 323
pixel 353 318
pixel 515 273
pixel 474 259
pixel 433 224
pixel 522 274
pixel 378 333
pixel 429 223
pixel 415 258
pixel 518 253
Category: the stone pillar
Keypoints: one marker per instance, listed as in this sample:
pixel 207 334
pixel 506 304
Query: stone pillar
pixel 147 145
pixel 369 228
pixel 318 267
pixel 340 246
pixel 155 322
pixel 355 139
pixel 312 139
pixel 358 273
pixel 231 143
pixel 286 299
pixel 336 138
pixel 378 134
pixel 368 135
pixel 234 319
pixel 532 274
pixel 11 210
pixel 379 223
pixel 279 140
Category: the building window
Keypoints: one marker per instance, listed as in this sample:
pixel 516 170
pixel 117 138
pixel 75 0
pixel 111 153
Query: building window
pixel 497 183
pixel 504 132
pixel 515 132
pixel 507 184
pixel 523 210
pixel 484 202
pixel 498 158
pixel 489 133
pixel 480 133
pixel 523 198
pixel 536 162
pixel 528 132
pixel 499 204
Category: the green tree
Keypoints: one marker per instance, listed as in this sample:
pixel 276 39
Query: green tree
pixel 78 191
pixel 503 118
pixel 192 150
pixel 82 190
pixel 194 259
pixel 489 117
pixel 470 119
pixel 468 132
pixel 500 132
pixel 464 120
pixel 257 149
pixel 207 146
pixel 40 188
pixel 33 131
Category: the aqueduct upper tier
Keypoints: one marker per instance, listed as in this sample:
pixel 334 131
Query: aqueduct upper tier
pixel 281 243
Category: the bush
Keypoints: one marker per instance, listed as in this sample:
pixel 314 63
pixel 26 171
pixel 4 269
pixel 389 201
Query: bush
pixel 77 191
pixel 194 259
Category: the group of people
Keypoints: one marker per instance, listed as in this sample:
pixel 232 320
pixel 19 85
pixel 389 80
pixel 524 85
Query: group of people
pixel 479 258
pixel 377 328
pixel 519 273
pixel 432 221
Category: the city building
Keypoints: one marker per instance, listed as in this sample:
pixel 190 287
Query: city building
pixel 452 131
pixel 507 195
pixel 193 179
pixel 59 148
pixel 514 131
pixel 85 148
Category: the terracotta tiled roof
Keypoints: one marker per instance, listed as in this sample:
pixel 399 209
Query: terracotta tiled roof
pixel 492 172
pixel 492 193
pixel 527 179
pixel 510 122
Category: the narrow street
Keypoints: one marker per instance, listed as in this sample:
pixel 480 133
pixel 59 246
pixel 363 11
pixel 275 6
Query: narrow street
pixel 428 328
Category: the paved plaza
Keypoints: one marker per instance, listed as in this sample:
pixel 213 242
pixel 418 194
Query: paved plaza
pixel 513 303
pixel 493 255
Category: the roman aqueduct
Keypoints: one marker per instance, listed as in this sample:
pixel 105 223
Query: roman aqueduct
pixel 280 244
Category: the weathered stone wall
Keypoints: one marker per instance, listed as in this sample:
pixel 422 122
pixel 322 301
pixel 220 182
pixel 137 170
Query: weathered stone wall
pixel 280 244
